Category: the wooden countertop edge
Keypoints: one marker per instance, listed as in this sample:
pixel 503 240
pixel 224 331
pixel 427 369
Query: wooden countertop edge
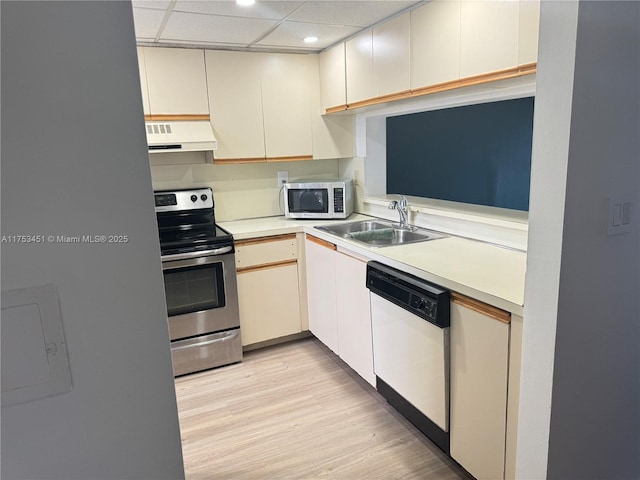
pixel 322 243
pixel 265 239
pixel 481 307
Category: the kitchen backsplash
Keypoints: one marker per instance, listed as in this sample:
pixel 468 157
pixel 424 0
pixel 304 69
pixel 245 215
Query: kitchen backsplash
pixel 242 190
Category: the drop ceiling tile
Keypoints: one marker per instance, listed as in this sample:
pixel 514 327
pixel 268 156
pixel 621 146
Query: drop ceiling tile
pixel 274 10
pixel 291 34
pixel 147 22
pixel 154 4
pixel 193 27
pixel 355 13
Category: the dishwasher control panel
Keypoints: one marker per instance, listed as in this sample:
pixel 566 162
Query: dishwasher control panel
pixel 422 298
pixel 425 305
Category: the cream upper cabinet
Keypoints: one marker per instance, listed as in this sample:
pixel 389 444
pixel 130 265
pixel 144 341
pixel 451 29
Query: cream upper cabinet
pixel 286 104
pixel 378 61
pixel 260 104
pixel 333 87
pixel 488 36
pixel 332 134
pixel 359 67
pixel 392 56
pixel 528 30
pixel 176 81
pixel 478 396
pixel 435 43
pixel 143 80
pixel 235 99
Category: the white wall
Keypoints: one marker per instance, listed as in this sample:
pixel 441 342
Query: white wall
pixel 580 415
pixel 74 162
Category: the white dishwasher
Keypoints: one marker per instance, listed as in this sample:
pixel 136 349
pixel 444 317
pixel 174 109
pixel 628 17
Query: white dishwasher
pixel 410 325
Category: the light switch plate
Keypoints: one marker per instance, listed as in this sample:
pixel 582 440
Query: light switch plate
pixel 620 218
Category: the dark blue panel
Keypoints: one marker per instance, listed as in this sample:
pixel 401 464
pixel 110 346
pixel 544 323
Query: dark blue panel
pixel 478 154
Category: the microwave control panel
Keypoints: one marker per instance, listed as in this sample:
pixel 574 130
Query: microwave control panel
pixel 338 200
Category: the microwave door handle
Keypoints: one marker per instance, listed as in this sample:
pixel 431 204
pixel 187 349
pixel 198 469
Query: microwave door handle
pixel 202 253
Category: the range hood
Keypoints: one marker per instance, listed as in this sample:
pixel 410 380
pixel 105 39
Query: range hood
pixel 180 136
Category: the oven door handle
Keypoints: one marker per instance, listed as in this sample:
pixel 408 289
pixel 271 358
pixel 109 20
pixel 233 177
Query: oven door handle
pixel 202 253
pixel 221 337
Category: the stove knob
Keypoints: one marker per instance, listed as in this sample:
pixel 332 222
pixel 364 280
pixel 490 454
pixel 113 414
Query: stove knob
pixel 203 197
pixel 194 198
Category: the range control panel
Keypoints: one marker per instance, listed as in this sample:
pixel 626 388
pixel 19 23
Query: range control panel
pixel 178 200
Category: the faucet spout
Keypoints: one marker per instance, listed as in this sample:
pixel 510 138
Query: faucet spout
pixel 402 207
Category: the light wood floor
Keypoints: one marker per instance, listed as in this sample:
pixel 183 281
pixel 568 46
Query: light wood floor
pixel 296 411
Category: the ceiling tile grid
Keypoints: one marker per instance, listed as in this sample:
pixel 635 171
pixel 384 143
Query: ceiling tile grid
pixel 267 25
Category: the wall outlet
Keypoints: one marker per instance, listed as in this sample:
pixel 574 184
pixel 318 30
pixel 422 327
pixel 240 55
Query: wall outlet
pixel 283 177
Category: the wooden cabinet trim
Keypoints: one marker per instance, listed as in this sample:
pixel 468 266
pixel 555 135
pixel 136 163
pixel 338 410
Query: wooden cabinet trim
pixel 336 109
pixel 480 307
pixel 272 238
pixel 382 99
pixel 292 158
pixel 518 71
pixel 265 266
pixel 173 118
pixel 322 243
pixel 232 161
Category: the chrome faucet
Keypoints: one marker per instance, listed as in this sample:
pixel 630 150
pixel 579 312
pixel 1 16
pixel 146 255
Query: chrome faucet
pixel 402 207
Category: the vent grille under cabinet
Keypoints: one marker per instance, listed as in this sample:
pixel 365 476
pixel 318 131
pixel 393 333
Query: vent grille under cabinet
pixel 180 136
pixel 158 128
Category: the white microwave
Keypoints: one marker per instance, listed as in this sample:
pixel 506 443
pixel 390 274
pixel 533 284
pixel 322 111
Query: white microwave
pixel 318 199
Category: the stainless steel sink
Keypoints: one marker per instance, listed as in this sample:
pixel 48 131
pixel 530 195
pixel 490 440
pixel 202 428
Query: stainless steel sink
pixel 379 233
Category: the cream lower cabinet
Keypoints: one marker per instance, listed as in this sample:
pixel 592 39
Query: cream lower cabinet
pixel 353 310
pixel 479 378
pixel 321 291
pixel 339 308
pixel 268 291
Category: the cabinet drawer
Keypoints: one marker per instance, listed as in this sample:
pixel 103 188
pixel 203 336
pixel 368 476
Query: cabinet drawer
pixel 266 250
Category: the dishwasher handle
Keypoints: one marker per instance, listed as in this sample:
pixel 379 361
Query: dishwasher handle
pixel 426 300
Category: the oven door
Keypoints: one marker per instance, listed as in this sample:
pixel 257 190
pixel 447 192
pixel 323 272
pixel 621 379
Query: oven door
pixel 201 292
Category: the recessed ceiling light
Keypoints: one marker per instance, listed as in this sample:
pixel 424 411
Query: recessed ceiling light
pixel 310 39
pixel 245 3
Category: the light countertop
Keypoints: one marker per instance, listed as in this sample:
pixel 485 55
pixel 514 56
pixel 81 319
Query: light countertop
pixel 486 272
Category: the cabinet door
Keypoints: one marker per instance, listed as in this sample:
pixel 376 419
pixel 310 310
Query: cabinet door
pixel 359 66
pixel 143 80
pixel 235 99
pixel 528 31
pixel 333 86
pixel 176 81
pixel 392 56
pixel 332 134
pixel 354 315
pixel 286 104
pixel 489 36
pixel 321 291
pixel 269 303
pixel 478 396
pixel 435 43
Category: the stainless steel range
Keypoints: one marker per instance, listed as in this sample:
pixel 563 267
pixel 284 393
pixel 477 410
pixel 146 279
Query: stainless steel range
pixel 198 262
